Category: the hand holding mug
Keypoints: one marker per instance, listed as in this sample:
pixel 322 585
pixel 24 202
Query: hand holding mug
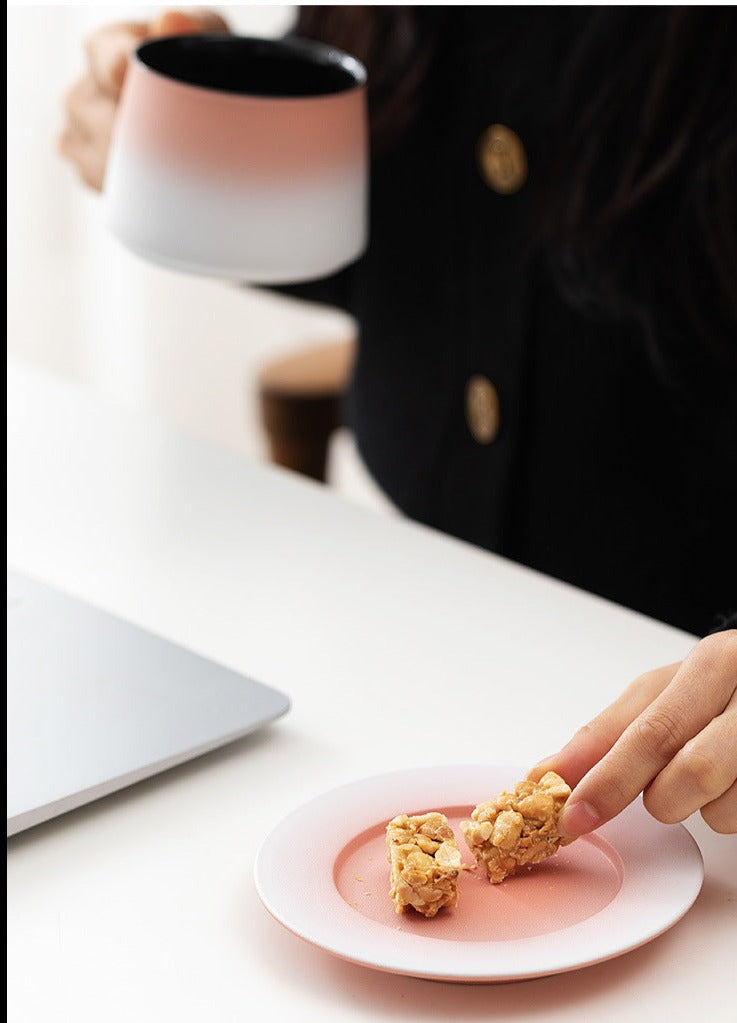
pixel 91 104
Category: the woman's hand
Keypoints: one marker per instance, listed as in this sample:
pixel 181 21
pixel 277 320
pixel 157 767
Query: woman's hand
pixel 92 102
pixel 671 735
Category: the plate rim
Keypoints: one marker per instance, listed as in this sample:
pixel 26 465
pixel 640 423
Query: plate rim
pixel 287 898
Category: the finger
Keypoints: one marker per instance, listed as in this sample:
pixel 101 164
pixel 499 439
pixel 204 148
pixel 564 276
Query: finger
pixel 87 159
pixel 108 51
pixel 89 111
pixel 699 774
pixel 179 23
pixel 595 739
pixel 652 739
pixel 78 93
pixel 70 142
pixel 721 814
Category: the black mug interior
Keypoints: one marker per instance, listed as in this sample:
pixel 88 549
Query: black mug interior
pixel 248 66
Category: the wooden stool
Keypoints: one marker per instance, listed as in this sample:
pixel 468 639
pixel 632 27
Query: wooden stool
pixel 300 399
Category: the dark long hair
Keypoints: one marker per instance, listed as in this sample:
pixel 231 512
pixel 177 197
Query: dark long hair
pixel 639 215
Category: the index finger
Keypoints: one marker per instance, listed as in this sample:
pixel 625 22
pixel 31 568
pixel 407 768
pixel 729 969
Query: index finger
pixel 595 739
pixel 698 692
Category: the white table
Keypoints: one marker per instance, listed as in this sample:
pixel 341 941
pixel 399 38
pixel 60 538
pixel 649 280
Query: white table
pixel 142 906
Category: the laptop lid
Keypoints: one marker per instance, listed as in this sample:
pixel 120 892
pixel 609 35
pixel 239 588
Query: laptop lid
pixel 96 704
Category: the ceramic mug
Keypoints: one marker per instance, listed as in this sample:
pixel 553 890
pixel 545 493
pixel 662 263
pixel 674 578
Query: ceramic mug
pixel 240 157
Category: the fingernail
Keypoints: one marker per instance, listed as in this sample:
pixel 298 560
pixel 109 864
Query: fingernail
pixel 578 819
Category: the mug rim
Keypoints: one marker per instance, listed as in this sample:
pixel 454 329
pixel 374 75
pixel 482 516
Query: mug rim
pixel 329 56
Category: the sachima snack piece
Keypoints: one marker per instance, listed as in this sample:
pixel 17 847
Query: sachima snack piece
pixel 425 863
pixel 517 828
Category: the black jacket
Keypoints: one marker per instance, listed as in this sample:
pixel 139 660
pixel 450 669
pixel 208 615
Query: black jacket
pixel 607 470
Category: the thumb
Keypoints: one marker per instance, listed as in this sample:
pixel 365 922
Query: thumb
pixel 172 23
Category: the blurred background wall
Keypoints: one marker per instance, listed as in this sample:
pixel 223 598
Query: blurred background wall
pixel 182 348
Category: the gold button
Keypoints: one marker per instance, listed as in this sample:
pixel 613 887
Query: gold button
pixel 502 159
pixel 482 409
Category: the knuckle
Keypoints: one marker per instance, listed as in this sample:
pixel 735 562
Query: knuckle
pixel 585 732
pixel 658 734
pixel 77 98
pixel 718 648
pixel 647 679
pixel 91 43
pixel 591 740
pixel 660 809
pixel 613 792
pixel 729 640
pixel 618 794
pixel 701 771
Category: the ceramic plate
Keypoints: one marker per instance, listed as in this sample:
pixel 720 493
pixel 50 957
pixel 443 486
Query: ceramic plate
pixel 323 874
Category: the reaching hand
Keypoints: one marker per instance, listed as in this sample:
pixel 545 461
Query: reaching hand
pixel 671 735
pixel 92 102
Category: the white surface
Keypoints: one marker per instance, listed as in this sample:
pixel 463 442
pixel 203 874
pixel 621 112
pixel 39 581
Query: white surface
pixel 304 896
pixel 143 906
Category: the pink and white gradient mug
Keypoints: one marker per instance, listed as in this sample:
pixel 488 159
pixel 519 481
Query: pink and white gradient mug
pixel 241 158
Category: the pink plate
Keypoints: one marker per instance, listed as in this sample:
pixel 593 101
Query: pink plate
pixel 323 874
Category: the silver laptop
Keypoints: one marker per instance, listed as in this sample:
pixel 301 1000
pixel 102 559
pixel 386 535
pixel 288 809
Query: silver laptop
pixel 96 704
